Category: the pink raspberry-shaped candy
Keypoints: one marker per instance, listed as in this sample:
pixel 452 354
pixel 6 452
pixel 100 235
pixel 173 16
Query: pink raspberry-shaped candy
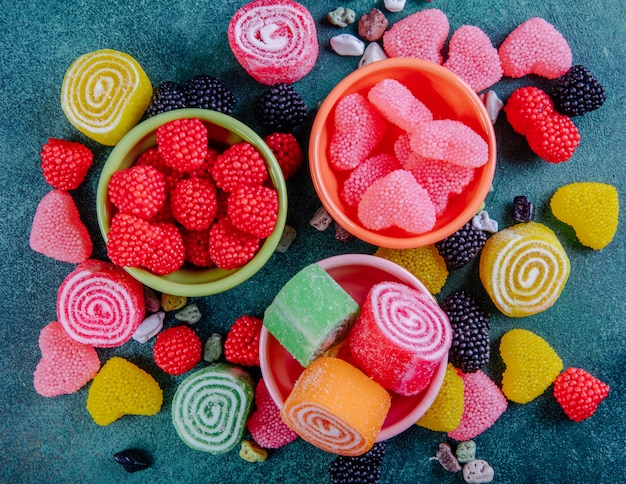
pixel 473 58
pixel 397 200
pixel 398 105
pixel 265 424
pixel 358 130
pixel 365 174
pixel 535 47
pixel 419 35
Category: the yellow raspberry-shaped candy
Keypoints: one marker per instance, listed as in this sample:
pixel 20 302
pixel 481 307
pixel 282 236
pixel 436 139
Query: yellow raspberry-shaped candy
pixel 425 263
pixel 122 388
pixel 444 415
pixel 104 95
pixel 531 365
pixel 524 268
pixel 591 208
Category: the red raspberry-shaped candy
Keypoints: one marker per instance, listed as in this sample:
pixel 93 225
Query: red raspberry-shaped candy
pixel 253 209
pixel 230 247
pixel 240 164
pixel 177 350
pixel 152 158
pixel 65 163
pixel 183 143
pixel 579 393
pixel 197 247
pixel 554 138
pixel 138 190
pixel 205 169
pixel 168 250
pixel 130 240
pixel 526 106
pixel 194 203
pixel 242 342
pixel 287 151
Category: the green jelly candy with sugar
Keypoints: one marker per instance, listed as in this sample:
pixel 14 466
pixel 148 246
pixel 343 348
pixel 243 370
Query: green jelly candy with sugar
pixel 310 313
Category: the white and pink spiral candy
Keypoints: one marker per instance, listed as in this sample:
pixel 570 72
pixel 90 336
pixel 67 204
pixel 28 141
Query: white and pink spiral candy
pixel 275 41
pixel 100 304
pixel 400 337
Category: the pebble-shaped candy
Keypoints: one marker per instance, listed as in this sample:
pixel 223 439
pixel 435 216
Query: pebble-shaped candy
pixel 132 460
pixel 523 209
pixel 153 302
pixel 477 472
pixel 372 53
pixel 321 219
pixel 341 17
pixel 347 45
pixel 213 348
pixel 446 458
pixel 444 415
pixel 286 239
pixel 251 452
pixel 171 302
pixel 149 327
pixel 482 221
pixel 189 314
pixel 395 5
pixel 466 451
pixel 425 263
pixel 372 25
pixel 531 365
pixel 591 208
pixel 492 103
pixel 342 235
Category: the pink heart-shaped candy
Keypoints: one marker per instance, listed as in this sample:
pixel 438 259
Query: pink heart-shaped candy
pixel 397 200
pixel 66 365
pixel 473 58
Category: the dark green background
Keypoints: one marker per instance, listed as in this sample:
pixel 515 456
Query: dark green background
pixel 55 440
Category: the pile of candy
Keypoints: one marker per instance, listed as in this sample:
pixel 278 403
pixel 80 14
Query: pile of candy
pixel 168 202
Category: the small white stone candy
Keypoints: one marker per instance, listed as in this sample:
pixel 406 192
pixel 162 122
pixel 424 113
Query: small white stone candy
pixel 477 472
pixel 347 44
pixel 482 221
pixel 373 53
pixel 493 104
pixel 190 314
pixel 395 5
pixel 149 327
pixel 286 239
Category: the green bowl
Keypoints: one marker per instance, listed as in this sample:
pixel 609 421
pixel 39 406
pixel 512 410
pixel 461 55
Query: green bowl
pixel 223 129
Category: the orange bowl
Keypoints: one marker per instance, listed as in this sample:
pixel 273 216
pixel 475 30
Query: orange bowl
pixel 448 97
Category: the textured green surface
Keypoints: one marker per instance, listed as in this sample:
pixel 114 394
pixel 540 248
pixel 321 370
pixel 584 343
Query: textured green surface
pixel 55 440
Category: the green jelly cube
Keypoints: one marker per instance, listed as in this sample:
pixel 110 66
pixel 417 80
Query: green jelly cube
pixel 310 313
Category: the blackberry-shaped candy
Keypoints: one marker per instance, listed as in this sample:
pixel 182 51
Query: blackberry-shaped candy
pixel 166 96
pixel 469 351
pixel 577 92
pixel 280 108
pixel 462 246
pixel 207 92
pixel 361 469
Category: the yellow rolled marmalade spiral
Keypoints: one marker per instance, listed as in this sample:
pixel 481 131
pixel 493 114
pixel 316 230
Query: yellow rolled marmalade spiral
pixel 524 269
pixel 104 95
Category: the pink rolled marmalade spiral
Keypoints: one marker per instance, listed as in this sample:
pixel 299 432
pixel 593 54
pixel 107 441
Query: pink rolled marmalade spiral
pixel 99 304
pixel 400 337
pixel 275 41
